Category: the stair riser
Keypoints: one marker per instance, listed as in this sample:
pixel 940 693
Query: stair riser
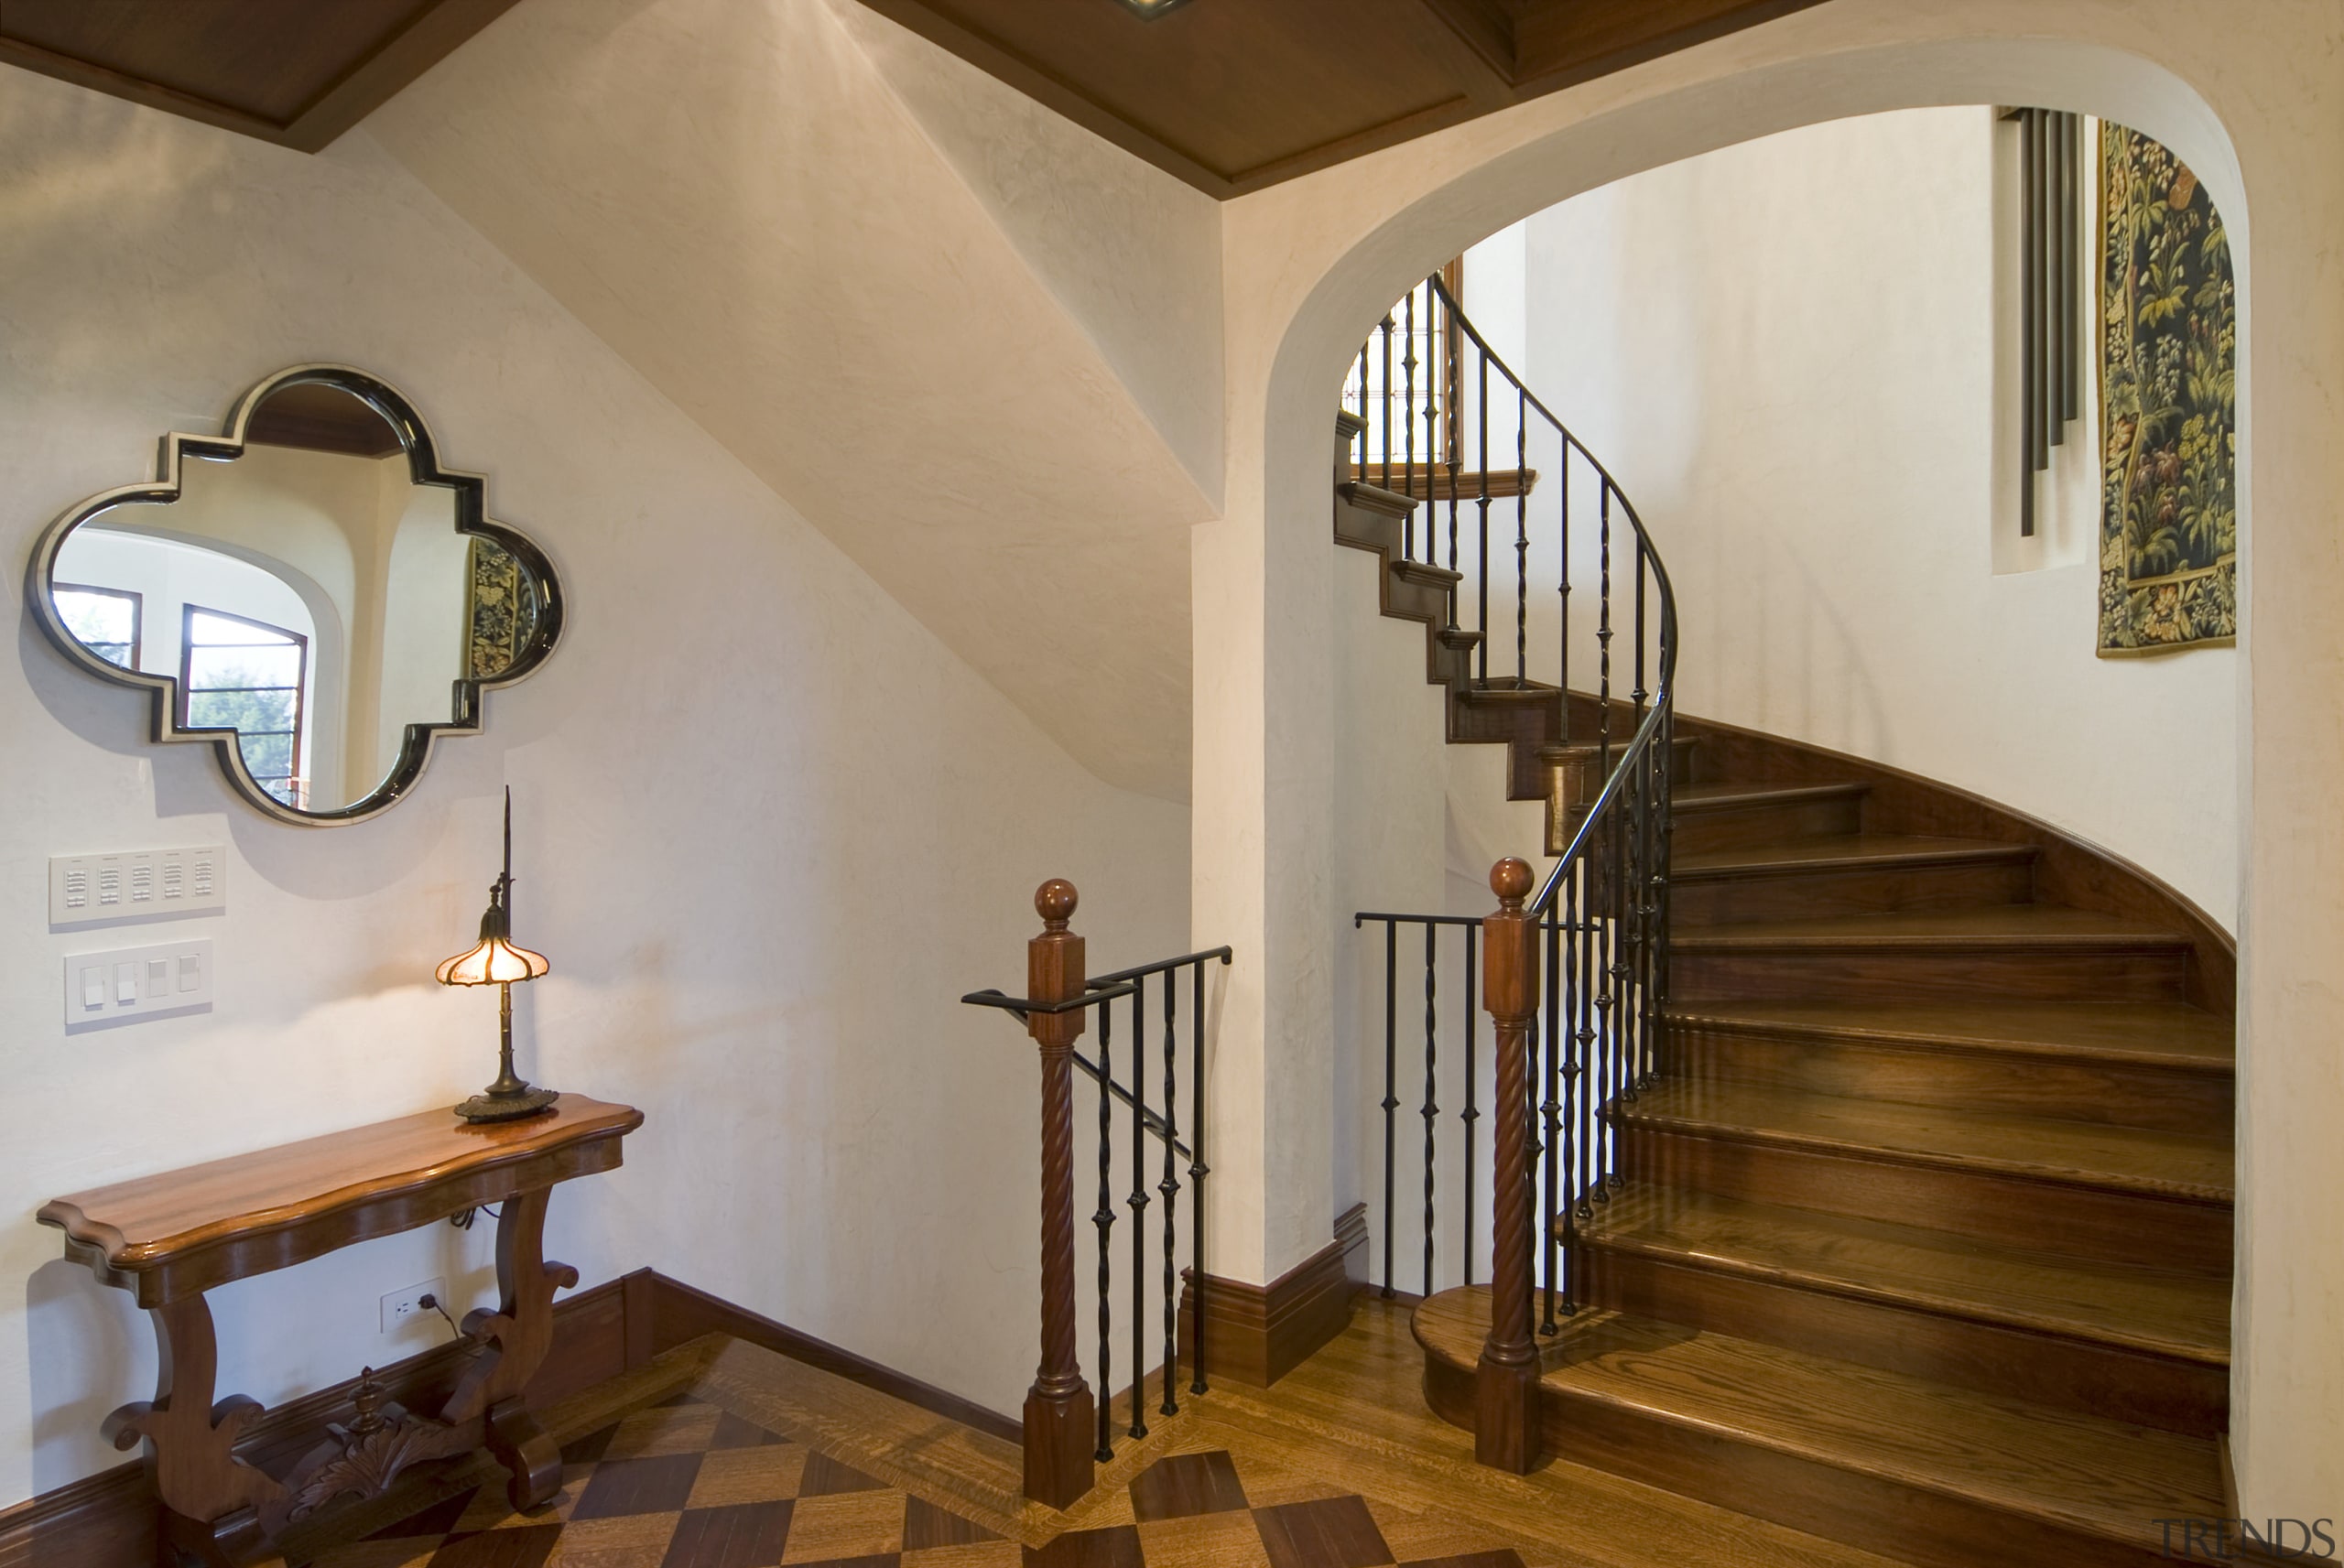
pixel 1924 1528
pixel 1862 890
pixel 2120 1095
pixel 1742 827
pixel 2077 1374
pixel 1925 974
pixel 2008 1211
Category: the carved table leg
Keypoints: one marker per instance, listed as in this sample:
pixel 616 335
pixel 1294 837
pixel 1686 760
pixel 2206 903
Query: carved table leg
pixel 520 1332
pixel 210 1498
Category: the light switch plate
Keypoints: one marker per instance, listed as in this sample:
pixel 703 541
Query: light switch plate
pixel 132 983
pixel 138 885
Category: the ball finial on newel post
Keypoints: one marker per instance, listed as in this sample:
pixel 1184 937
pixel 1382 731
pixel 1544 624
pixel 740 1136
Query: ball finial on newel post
pixel 1510 879
pixel 1054 900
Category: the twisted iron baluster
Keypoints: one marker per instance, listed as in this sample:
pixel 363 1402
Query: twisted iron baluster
pixel 1103 1217
pixel 1431 1111
pixel 1408 426
pixel 1197 1170
pixel 1563 632
pixel 1170 1188
pixel 1551 1109
pixel 1520 543
pixel 1470 1115
pixel 1390 1086
pixel 1387 433
pixel 1138 1203
pixel 1481 558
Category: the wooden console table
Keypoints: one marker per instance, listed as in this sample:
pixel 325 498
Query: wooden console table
pixel 168 1239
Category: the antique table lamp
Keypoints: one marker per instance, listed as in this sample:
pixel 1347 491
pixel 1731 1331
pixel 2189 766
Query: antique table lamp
pixel 495 961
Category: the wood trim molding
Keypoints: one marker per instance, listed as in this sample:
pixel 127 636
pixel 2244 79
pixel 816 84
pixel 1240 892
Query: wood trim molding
pixel 1256 1335
pixel 107 1520
pixel 681 1313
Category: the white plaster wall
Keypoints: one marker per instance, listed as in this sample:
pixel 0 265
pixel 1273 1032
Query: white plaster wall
pixel 1308 265
pixel 753 218
pixel 1786 353
pixel 769 826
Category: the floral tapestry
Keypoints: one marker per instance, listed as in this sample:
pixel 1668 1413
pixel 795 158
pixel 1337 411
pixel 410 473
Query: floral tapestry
pixel 2168 378
pixel 500 610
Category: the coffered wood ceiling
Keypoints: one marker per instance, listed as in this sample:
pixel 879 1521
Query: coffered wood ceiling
pixel 296 73
pixel 1232 95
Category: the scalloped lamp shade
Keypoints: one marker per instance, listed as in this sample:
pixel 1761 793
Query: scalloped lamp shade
pixel 495 962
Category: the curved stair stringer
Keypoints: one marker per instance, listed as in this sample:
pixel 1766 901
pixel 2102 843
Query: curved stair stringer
pixel 1922 1236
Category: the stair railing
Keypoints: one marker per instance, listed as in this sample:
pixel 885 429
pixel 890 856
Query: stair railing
pixel 1580 965
pixel 1066 1430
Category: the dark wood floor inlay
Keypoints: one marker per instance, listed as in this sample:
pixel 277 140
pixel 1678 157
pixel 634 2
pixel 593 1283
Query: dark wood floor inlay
pixel 1187 1485
pixel 825 1476
pixel 659 1483
pixel 926 1525
pixel 1117 1546
pixel 746 1535
pixel 523 1546
pixel 1334 1532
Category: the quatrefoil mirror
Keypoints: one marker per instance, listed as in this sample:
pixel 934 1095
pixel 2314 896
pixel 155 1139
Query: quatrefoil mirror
pixel 309 592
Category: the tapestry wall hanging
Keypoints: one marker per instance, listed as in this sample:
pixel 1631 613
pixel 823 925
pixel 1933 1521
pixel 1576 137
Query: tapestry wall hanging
pixel 500 610
pixel 2169 380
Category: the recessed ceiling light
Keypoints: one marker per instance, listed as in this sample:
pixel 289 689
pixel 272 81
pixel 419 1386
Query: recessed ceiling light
pixel 1152 8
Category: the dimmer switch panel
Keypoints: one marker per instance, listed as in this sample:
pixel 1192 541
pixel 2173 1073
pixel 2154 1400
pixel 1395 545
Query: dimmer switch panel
pixel 134 982
pixel 138 884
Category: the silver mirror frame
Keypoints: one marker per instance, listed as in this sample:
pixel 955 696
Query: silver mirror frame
pixel 423 468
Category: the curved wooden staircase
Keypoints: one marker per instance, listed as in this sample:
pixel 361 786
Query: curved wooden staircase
pixel 1920 1239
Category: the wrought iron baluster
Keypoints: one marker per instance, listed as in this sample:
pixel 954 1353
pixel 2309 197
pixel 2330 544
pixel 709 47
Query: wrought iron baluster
pixel 1198 1171
pixel 1103 1217
pixel 1574 1089
pixel 1551 1109
pixel 1638 694
pixel 1391 1085
pixel 1470 1114
pixel 1563 614
pixel 1431 1111
pixel 1169 1185
pixel 1386 436
pixel 1520 543
pixel 1604 629
pixel 1408 427
pixel 1482 558
pixel 1138 1203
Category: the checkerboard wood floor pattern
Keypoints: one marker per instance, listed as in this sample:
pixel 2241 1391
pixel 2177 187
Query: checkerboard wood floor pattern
pixel 688 1483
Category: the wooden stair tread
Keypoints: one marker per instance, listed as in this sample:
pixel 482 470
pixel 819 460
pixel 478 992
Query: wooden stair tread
pixel 2182 1316
pixel 2195 1166
pixel 1726 797
pixel 2101 1477
pixel 2020 925
pixel 1845 851
pixel 2152 1034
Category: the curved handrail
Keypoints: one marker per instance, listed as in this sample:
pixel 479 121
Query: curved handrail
pixel 1657 719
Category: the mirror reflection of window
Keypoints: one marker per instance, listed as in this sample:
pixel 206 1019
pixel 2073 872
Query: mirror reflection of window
pixel 105 619
pixel 246 675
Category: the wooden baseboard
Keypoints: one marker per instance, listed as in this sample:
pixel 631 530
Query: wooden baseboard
pixel 107 1520
pixel 1256 1335
pixel 681 1313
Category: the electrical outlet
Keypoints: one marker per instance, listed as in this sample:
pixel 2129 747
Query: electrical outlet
pixel 132 983
pixel 400 1307
pixel 138 885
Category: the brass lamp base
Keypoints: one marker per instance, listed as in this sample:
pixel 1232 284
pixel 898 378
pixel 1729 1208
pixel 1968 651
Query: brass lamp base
pixel 493 1107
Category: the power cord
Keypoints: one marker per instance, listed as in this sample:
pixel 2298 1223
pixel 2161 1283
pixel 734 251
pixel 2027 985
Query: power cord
pixel 431 1302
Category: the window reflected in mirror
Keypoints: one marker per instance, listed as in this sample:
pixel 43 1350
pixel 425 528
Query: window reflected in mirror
pixel 307 592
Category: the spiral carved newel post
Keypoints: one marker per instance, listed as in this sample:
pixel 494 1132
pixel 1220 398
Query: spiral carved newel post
pixel 1058 1409
pixel 1505 1383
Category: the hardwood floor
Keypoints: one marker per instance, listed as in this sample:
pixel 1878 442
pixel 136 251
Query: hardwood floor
pixel 721 1454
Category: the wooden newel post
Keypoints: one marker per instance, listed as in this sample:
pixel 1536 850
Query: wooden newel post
pixel 1505 1383
pixel 1058 1411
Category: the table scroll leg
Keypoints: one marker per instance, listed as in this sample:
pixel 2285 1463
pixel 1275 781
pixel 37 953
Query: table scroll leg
pixel 520 1333
pixel 211 1499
